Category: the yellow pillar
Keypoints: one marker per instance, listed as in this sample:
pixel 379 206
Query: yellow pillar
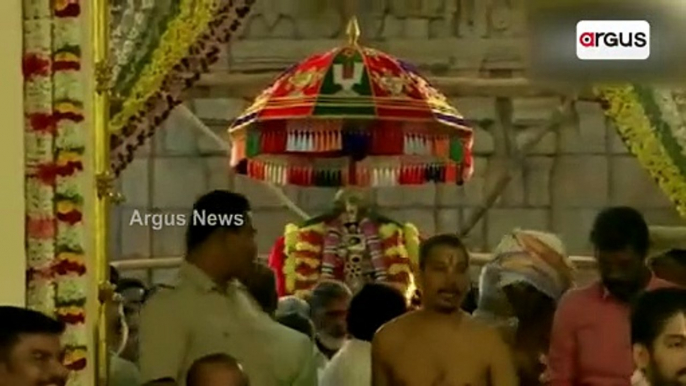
pixel 13 260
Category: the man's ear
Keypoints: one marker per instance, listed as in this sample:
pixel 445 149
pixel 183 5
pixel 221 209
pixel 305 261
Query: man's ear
pixel 641 356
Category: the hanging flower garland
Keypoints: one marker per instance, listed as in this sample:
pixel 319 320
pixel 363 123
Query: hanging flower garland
pixel 181 33
pixel 55 143
pixel 647 124
pixel 150 106
pixel 39 158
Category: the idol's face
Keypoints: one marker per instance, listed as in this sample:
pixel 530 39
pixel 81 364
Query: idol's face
pixel 444 279
pixel 664 363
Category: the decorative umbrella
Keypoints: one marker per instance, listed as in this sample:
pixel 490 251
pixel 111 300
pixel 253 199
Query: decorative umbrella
pixel 352 116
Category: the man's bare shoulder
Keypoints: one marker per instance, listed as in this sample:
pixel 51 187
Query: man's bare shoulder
pixel 482 330
pixel 396 328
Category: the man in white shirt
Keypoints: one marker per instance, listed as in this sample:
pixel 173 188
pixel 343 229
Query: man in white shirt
pixel 329 304
pixel 375 305
pixel 208 312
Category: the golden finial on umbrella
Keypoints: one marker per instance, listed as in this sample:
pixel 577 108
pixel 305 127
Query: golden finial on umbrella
pixel 353 31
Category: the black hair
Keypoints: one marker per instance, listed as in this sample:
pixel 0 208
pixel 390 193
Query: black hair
pixel 127 283
pixel 220 203
pixel 297 322
pixel 262 287
pixel 677 255
pixel 214 359
pixel 130 283
pixel 619 228
pixel 114 275
pixel 16 321
pixel 375 305
pixel 471 302
pixel 325 292
pixel 446 239
pixel 651 311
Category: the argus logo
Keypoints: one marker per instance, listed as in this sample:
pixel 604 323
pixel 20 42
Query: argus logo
pixel 613 40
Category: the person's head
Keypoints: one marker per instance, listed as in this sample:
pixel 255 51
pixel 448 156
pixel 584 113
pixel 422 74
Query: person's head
pixel 293 304
pixel 30 349
pixel 216 370
pixel 528 303
pixel 114 275
pixel 132 290
pixel 262 286
pixel 297 322
pixel 444 273
pixel 373 306
pixel 621 240
pixel 658 335
pixel 329 302
pixel 671 266
pixel 221 236
pixel 531 268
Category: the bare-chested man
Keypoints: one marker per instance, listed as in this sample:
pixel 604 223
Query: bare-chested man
pixel 440 345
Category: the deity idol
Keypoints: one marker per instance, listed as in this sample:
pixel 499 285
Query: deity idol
pixel 352 243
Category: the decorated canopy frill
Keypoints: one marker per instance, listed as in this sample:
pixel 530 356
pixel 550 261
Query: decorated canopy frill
pixel 352 116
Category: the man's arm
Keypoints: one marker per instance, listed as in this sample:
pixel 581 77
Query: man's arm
pixel 380 375
pixel 502 368
pixel 307 376
pixel 162 345
pixel 563 347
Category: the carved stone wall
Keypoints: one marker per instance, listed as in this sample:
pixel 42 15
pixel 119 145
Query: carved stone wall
pixel 568 176
pixel 566 179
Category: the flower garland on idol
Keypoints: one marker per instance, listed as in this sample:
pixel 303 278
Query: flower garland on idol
pixel 55 142
pixel 310 248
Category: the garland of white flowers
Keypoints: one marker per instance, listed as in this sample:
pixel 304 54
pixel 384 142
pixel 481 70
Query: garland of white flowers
pixel 135 17
pixel 55 143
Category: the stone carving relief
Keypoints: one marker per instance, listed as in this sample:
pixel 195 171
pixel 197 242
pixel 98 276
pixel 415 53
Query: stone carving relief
pixel 294 19
pixel 405 25
pixel 388 19
pixel 462 18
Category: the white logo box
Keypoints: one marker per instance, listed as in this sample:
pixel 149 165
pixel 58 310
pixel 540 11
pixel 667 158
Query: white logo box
pixel 629 32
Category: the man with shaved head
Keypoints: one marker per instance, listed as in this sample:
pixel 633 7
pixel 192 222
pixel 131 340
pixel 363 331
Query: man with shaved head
pixel 216 370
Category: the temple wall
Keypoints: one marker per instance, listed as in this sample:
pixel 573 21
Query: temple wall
pixel 568 176
pixel 12 274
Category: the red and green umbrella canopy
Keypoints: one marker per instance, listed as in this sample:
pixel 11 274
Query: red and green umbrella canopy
pixel 352 116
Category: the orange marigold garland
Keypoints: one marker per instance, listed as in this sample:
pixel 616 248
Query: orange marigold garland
pixel 55 141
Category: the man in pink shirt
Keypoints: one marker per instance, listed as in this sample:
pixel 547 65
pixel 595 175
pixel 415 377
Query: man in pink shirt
pixel 591 335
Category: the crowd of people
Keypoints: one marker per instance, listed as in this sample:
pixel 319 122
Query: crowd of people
pixel 222 324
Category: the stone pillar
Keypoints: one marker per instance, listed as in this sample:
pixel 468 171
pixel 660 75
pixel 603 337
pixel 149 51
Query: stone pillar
pixel 13 260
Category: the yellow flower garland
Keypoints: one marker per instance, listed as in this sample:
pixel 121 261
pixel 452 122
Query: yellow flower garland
pixel 625 109
pixel 408 233
pixel 182 32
